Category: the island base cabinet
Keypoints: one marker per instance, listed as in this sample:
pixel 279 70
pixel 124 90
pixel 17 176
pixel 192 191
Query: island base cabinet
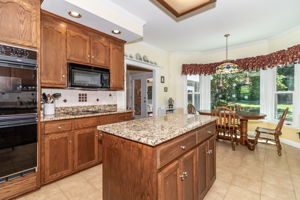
pixel 135 171
pixel 177 181
pixel 58 156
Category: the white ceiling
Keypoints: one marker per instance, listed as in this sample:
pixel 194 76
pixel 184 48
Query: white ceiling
pixel 102 15
pixel 245 20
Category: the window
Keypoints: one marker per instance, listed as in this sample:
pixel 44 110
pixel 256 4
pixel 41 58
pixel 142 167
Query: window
pixel 284 92
pixel 193 90
pixel 239 88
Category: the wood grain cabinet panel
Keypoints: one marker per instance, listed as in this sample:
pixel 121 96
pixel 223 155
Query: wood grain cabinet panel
pixel 202 170
pixel 85 148
pixel 100 51
pixel 211 161
pixel 19 22
pixel 188 169
pixel 58 156
pixel 78 46
pixel 53 48
pixel 169 183
pixel 116 65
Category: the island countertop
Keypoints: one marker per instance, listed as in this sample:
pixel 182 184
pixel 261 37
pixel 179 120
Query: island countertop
pixel 153 131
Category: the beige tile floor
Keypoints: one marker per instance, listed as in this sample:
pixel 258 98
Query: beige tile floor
pixel 241 174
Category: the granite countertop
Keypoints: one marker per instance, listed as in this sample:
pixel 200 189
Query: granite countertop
pixel 73 115
pixel 153 131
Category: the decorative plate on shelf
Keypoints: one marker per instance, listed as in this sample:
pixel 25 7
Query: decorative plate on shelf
pixel 138 57
pixel 145 58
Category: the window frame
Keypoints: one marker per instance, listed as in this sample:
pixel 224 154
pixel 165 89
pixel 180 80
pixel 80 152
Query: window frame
pixel 193 93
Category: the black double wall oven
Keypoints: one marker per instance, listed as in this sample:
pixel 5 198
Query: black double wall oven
pixel 18 112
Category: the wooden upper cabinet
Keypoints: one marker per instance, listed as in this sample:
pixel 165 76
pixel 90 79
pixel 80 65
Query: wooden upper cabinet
pixel 58 156
pixel 19 22
pixel 100 50
pixel 78 46
pixel 188 169
pixel 117 65
pixel 169 183
pixel 53 49
pixel 85 148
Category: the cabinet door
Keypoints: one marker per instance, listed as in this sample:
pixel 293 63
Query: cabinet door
pixel 169 183
pixel 211 161
pixel 58 156
pixel 78 46
pixel 188 170
pixel 116 65
pixel 100 51
pixel 53 47
pixel 19 22
pixel 201 170
pixel 85 148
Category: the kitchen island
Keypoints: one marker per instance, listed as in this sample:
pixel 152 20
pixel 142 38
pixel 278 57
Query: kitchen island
pixel 167 157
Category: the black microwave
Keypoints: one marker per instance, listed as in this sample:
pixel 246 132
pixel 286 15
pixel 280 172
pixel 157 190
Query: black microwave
pixel 83 76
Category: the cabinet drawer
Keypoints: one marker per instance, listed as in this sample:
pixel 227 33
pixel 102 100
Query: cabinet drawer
pixel 205 132
pixel 169 151
pixel 86 122
pixel 57 126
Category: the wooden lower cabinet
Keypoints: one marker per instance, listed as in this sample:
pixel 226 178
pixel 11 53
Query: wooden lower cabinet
pixel 178 180
pixel 178 169
pixel 73 145
pixel 85 148
pixel 211 161
pixel 170 186
pixel 202 170
pixel 58 156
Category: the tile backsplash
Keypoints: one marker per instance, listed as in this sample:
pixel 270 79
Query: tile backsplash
pixel 69 97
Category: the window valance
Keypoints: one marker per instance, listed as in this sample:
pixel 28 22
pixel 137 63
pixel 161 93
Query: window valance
pixel 278 58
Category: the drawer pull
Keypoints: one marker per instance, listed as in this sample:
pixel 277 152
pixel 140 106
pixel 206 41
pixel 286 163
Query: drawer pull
pixel 70 141
pixel 183 147
pixel 210 132
pixel 59 127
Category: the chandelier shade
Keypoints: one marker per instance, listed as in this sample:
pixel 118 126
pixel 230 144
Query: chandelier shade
pixel 227 67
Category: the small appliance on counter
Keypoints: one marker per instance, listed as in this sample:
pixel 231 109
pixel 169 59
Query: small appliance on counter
pixel 18 112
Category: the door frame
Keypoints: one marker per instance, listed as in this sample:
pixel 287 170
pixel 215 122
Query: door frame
pixel 155 71
pixel 143 76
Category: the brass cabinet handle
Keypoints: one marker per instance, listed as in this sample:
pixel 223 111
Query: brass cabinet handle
pixel 209 152
pixel 182 177
pixel 183 147
pixel 185 174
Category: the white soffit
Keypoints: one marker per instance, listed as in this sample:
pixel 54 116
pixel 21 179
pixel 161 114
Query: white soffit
pixel 101 15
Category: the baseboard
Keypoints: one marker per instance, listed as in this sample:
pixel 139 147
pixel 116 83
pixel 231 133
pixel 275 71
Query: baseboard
pixel 290 142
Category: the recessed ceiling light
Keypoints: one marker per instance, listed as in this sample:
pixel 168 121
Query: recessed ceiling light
pixel 116 31
pixel 74 14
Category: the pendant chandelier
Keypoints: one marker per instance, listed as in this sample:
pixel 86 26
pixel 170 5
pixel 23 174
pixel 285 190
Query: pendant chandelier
pixel 227 67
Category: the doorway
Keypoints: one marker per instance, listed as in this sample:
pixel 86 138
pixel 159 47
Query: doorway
pixel 139 91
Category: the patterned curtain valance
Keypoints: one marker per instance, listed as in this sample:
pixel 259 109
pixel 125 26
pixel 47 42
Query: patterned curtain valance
pixel 278 58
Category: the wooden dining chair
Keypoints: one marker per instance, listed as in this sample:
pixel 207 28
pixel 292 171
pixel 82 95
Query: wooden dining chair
pixel 265 133
pixel 226 124
pixel 191 109
pixel 235 107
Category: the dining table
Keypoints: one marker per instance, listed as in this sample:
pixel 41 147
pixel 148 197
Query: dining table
pixel 244 117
